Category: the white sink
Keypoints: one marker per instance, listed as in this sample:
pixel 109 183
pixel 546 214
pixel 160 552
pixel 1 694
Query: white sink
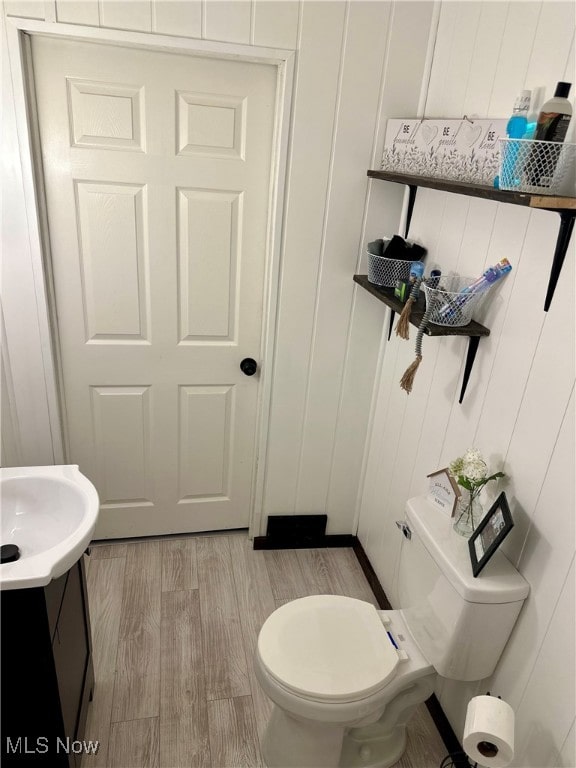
pixel 50 514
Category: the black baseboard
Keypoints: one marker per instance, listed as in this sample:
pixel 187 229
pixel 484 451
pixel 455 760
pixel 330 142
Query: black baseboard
pixel 453 746
pixel 304 542
pixel 371 577
pixel 300 532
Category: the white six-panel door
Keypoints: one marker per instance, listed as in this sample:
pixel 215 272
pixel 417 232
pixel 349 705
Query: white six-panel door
pixel 157 177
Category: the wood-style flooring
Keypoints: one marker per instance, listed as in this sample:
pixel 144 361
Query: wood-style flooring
pixel 174 626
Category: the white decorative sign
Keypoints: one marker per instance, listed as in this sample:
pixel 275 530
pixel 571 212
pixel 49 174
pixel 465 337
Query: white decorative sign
pixel 460 150
pixel 443 491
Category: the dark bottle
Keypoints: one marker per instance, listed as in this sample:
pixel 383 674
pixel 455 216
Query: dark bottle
pixel 552 125
pixel 555 116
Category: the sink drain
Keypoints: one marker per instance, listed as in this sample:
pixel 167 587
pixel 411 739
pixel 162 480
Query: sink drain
pixel 9 553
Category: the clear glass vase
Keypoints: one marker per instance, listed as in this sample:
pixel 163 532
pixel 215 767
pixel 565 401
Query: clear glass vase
pixel 469 512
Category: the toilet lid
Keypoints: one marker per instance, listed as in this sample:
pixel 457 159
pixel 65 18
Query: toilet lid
pixel 328 647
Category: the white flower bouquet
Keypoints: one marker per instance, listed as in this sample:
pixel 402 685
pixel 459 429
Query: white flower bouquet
pixel 471 472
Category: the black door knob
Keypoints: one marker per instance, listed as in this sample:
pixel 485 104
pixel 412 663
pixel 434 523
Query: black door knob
pixel 249 366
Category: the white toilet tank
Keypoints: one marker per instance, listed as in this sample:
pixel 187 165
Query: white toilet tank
pixel 460 623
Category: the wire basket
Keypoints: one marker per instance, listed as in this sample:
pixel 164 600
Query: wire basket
pixel 449 303
pixel 540 167
pixel 385 272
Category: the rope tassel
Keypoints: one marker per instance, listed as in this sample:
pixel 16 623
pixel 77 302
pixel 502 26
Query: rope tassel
pixel 407 380
pixel 403 324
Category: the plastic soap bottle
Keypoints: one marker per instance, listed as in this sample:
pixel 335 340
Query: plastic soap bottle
pixel 552 125
pixel 555 116
pixel 515 129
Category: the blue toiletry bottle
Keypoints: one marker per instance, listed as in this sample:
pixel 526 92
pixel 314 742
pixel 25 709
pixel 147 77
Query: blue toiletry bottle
pixel 416 269
pixel 515 129
pixel 530 130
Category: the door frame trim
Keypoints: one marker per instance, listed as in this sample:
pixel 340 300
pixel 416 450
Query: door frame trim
pixel 18 31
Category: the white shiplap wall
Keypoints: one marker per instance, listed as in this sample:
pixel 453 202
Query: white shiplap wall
pixel 519 407
pixel 327 333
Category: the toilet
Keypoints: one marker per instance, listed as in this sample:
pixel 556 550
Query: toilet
pixel 345 677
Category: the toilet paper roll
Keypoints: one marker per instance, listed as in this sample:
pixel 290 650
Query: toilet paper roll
pixel 489 732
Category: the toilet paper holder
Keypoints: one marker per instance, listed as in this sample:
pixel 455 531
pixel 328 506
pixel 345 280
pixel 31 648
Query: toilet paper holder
pixel 484 738
pixel 457 760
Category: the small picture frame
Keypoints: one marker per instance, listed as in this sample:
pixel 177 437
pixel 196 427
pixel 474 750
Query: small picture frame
pixel 443 491
pixel 493 529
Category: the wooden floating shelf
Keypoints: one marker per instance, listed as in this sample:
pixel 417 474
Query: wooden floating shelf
pixel 546 202
pixel 474 331
pixel 386 295
pixel 564 206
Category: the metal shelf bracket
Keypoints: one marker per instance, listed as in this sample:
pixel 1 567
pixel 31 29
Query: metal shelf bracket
pixel 564 235
pixel 473 342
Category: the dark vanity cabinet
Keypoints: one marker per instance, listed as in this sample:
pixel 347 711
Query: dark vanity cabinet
pixel 47 672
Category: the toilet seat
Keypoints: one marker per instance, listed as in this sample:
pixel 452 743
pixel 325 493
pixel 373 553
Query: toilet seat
pixel 328 648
